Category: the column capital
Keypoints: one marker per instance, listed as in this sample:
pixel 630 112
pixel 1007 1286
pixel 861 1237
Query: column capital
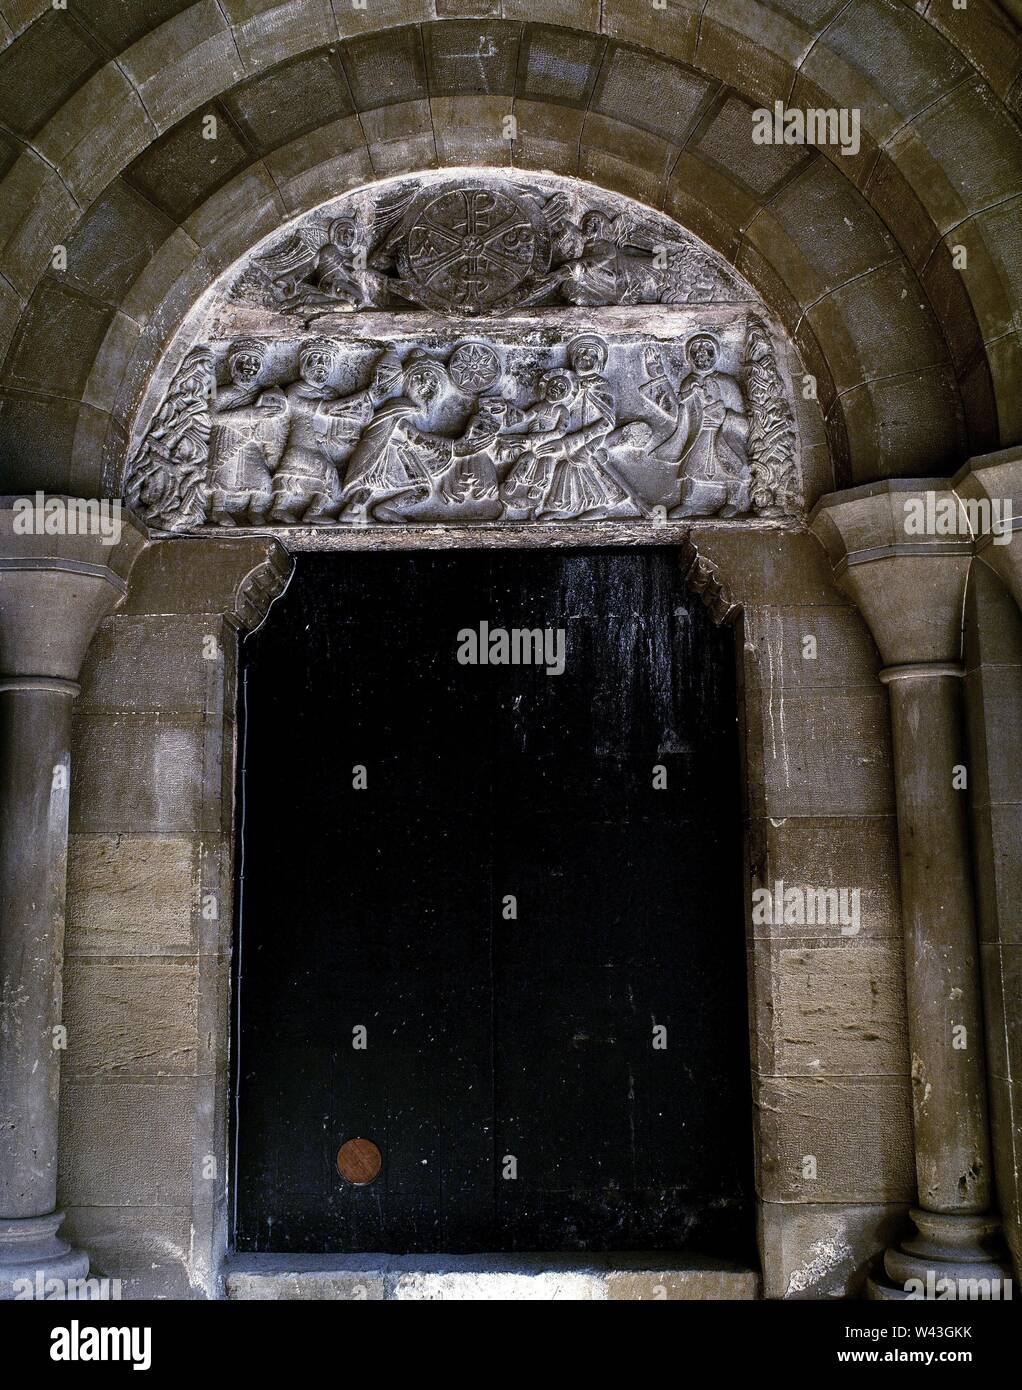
pixel 55 588
pixel 897 550
pixel 990 487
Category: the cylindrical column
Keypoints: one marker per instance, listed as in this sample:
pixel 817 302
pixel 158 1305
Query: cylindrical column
pixel 941 966
pixel 35 727
pixel 55 589
pixel 35 723
pixel 909 584
pixel 945 1020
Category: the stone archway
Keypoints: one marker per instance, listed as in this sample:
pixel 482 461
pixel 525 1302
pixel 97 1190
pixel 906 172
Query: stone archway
pixel 150 862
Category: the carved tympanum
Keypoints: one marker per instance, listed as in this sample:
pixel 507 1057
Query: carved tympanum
pixel 472 348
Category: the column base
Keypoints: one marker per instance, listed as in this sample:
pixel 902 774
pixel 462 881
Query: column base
pixel 34 1261
pixel 950 1257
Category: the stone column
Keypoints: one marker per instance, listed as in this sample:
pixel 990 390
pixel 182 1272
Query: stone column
pixel 54 591
pixel 907 574
pixel 990 492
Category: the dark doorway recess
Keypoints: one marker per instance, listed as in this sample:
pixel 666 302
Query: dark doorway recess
pixel 384 908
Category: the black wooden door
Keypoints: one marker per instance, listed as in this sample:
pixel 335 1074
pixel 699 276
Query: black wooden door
pixel 542 944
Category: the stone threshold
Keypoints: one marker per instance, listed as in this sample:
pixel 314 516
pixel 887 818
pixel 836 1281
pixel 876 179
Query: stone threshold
pixel 531 1277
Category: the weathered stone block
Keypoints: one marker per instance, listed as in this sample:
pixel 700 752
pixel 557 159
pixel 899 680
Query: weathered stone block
pixel 132 894
pixel 725 139
pixel 236 215
pixel 289 1286
pixel 997 837
pixel 672 31
pixel 660 97
pixel 961 155
pixel 558 65
pixel 37 443
pixel 144 774
pixel 879 325
pixel 381 14
pixel 385 68
pixel 548 136
pixel 400 137
pixel 752 51
pixel 40 71
pixel 824 1251
pixel 168 283
pixel 180 171
pixel 151 1249
pixel 115 242
pixel 840 852
pixel 321 164
pixel 119 25
pixel 472 129
pixel 148 664
pixel 59 326
pixel 1005 358
pixel 99 129
pixel 114 356
pixel 709 203
pixel 827 753
pixel 626 159
pixel 896 201
pixel 128 1143
pixel 471 58
pixel 183 63
pixel 831 1007
pixel 131 1018
pixel 905 426
pixel 807 648
pixel 857 1129
pixel 574 14
pixel 302 95
pixel 268 31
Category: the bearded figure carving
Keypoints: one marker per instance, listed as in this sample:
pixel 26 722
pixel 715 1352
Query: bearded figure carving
pixel 709 426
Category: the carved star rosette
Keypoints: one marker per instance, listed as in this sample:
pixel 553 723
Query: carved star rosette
pixel 474 367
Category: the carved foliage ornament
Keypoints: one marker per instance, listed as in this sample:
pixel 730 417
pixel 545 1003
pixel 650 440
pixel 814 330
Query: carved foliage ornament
pixel 565 427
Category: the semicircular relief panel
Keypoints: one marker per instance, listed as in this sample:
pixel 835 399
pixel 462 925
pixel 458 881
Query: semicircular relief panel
pixel 472 348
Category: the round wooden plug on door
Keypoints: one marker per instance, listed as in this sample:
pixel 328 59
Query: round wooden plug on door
pixel 359 1161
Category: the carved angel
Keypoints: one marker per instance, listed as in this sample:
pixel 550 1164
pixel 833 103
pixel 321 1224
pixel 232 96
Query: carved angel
pixel 306 273
pixel 166 480
pixel 604 260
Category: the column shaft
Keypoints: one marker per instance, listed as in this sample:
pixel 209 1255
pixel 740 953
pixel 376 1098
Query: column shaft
pixel 35 725
pixel 941 966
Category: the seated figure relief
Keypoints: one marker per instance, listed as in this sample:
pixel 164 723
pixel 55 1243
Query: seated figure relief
pixel 570 428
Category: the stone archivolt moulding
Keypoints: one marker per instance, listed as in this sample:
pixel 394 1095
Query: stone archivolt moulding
pixel 474 349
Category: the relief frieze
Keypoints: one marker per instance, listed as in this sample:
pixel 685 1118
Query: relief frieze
pixel 548 425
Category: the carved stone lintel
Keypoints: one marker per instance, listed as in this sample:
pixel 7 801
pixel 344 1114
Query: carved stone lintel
pixel 543 426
